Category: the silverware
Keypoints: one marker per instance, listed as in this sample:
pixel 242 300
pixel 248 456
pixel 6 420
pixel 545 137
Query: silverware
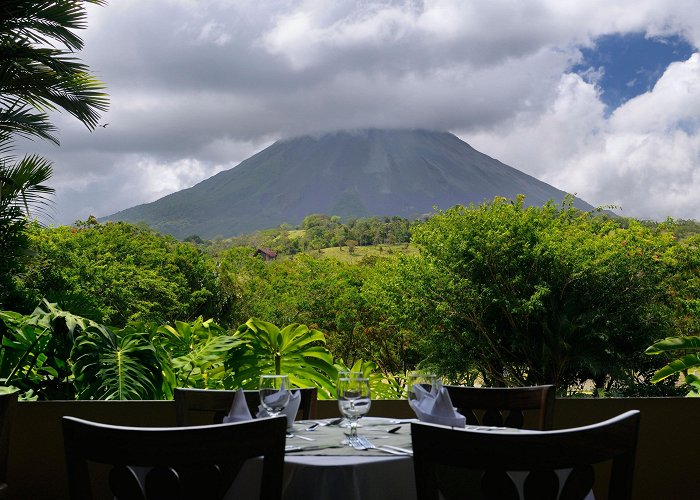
pixel 393 430
pixel 293 449
pixel 291 435
pixel 406 451
pixel 392 452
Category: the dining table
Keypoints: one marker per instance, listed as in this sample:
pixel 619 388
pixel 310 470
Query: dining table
pixel 320 465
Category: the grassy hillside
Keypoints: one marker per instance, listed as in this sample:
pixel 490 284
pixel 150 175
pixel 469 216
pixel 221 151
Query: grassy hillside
pixel 359 253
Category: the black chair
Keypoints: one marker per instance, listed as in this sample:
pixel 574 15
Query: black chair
pixel 178 462
pixel 504 406
pixel 204 406
pixel 7 405
pixel 539 453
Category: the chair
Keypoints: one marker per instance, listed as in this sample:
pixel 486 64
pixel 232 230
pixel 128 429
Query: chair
pixel 7 405
pixel 509 400
pixel 178 462
pixel 196 406
pixel 538 453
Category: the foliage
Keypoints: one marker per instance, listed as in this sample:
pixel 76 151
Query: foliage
pixel 116 364
pixel 38 73
pixel 193 355
pixel 116 272
pixel 39 69
pixel 382 385
pixel 532 295
pixel 294 350
pixel 319 231
pixel 36 350
pixel 689 360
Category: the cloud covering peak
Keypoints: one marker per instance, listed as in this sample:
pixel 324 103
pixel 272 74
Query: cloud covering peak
pixel 196 87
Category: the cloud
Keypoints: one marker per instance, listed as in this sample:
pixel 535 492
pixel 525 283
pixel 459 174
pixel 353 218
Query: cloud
pixel 644 158
pixel 199 86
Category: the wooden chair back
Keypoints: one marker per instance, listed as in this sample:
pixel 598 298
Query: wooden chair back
pixel 178 462
pixel 539 453
pixel 197 406
pixel 7 405
pixel 504 406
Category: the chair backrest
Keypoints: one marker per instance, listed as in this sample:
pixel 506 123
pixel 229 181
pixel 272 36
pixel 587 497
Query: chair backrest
pixel 177 462
pixel 538 452
pixel 7 405
pixel 504 406
pixel 197 406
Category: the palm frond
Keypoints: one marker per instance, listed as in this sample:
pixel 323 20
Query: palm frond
pixel 22 184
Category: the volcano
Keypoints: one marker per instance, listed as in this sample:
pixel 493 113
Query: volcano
pixel 373 172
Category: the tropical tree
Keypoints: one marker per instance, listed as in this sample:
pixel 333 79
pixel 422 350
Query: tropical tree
pixel 115 273
pixel 531 295
pixel 39 73
pixel 38 68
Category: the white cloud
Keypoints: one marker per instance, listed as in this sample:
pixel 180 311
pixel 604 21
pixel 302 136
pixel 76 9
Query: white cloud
pixel 644 158
pixel 199 86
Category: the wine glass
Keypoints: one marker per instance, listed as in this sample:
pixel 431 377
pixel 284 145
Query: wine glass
pixel 354 401
pixel 274 393
pixel 347 374
pixel 425 380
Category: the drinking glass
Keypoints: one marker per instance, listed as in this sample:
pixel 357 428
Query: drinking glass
pixel 274 393
pixel 426 380
pixel 354 400
pixel 347 374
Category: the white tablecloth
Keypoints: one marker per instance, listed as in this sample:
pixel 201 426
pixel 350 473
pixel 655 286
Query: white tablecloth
pixel 348 477
pixel 335 478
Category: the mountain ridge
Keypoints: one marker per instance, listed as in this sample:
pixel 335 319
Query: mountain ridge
pixel 347 173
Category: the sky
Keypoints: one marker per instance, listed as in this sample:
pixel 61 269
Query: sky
pixel 598 98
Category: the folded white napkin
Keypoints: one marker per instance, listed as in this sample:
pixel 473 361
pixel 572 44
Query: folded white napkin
pixel 435 406
pixel 239 409
pixel 290 411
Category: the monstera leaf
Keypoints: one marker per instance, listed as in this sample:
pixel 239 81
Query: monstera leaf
pixel 294 350
pixel 194 354
pixel 116 364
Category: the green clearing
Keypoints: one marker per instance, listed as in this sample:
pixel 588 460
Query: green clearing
pixel 358 253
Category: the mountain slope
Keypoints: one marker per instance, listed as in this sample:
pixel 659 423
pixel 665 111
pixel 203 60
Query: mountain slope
pixel 350 174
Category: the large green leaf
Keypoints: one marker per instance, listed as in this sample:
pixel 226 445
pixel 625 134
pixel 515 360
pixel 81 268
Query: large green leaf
pixel 680 365
pixel 294 350
pixel 194 354
pixel 116 364
pixel 674 344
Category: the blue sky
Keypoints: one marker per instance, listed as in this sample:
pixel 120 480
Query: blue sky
pixel 599 98
pixel 628 65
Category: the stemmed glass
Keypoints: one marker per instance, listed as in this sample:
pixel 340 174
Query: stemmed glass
pixel 274 393
pixel 347 374
pixel 354 401
pixel 425 380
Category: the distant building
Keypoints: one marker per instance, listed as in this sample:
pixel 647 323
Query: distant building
pixel 266 253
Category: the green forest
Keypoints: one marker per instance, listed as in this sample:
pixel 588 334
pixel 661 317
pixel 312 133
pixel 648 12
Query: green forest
pixel 498 294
